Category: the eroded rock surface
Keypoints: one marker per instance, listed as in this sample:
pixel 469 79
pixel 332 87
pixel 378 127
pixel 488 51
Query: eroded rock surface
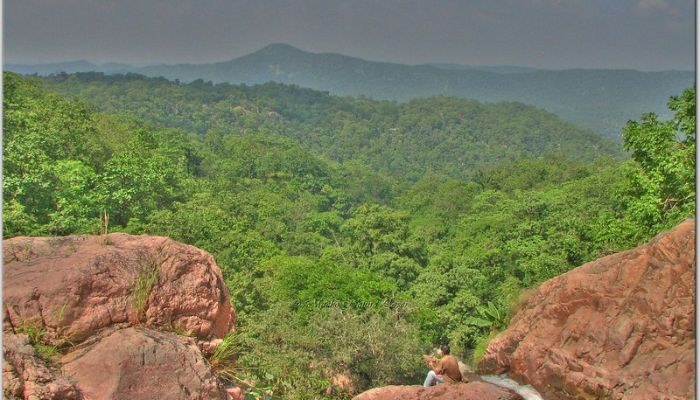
pixel 619 327
pixel 76 285
pixel 463 391
pixel 139 363
pixel 123 307
pixel 26 376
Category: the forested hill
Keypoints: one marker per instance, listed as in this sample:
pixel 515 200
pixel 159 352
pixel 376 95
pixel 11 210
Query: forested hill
pixel 320 257
pixel 456 137
pixel 602 100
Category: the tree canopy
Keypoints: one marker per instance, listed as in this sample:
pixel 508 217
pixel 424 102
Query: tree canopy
pixel 326 247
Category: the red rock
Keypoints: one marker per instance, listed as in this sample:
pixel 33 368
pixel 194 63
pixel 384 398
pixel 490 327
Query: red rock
pixel 141 364
pixel 463 391
pixel 622 326
pixel 76 285
pixel 25 376
pixel 235 393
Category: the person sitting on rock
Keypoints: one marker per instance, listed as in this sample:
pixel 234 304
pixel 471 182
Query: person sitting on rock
pixel 433 378
pixel 444 370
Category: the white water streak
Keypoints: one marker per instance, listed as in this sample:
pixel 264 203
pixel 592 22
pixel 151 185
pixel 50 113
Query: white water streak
pixel 526 391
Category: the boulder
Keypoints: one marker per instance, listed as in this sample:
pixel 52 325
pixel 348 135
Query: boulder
pixel 101 298
pixel 463 391
pixel 26 376
pixel 619 327
pixel 140 363
pixel 74 286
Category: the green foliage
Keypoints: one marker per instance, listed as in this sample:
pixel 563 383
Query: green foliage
pixel 222 359
pixel 309 285
pixel 482 344
pixel 489 317
pixel 61 173
pixel 36 333
pixel 352 234
pixel 75 204
pixel 456 137
pixel 61 312
pixel 41 129
pixel 372 347
pixel 381 241
pixel 602 100
pixel 145 280
pixel 47 352
pixel 662 188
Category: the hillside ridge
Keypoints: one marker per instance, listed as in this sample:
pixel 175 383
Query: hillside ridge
pixel 598 99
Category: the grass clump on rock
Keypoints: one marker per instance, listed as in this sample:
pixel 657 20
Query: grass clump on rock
pixel 145 281
pixel 222 358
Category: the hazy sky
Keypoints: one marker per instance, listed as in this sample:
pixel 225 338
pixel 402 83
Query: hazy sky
pixel 640 34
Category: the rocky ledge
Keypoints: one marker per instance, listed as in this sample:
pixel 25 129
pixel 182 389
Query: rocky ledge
pixel 463 391
pixel 131 316
pixel 619 327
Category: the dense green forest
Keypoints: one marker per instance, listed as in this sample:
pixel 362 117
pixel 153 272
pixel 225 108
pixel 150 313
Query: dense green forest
pixel 349 243
pixel 403 141
pixel 598 99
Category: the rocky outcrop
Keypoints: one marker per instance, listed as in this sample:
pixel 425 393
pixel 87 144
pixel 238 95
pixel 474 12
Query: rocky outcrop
pixel 139 363
pixel 131 314
pixel 26 376
pixel 619 327
pixel 74 286
pixel 462 391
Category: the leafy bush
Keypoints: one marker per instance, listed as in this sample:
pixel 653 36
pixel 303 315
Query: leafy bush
pixel 371 347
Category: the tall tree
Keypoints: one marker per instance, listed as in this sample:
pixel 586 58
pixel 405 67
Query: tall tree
pixel 663 184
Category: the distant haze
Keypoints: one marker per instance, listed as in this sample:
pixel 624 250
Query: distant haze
pixel 599 99
pixel 635 34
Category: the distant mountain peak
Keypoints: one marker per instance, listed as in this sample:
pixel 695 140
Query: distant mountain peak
pixel 279 48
